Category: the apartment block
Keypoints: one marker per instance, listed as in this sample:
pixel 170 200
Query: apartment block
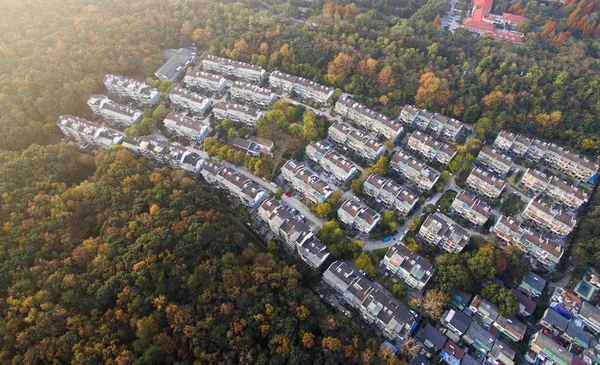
pixel 358 216
pixel 443 232
pixel 186 127
pixel 485 183
pixel 340 167
pixel 184 99
pixel 252 94
pixel 411 268
pixel 553 221
pixel 138 91
pixel 590 315
pixel 574 165
pixel 235 183
pixel 237 113
pixel 376 307
pixel 547 253
pixel 205 81
pixel 357 141
pixel 229 68
pixel 306 181
pixel 423 176
pixel 368 119
pixel 164 152
pixel 494 161
pixel 438 124
pixel 391 194
pixel 469 207
pixel 535 181
pixel 304 89
pixel 431 149
pixel 295 233
pixel 565 194
pixel 111 111
pixel 81 131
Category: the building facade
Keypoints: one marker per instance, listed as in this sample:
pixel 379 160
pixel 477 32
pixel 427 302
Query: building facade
pixel 441 231
pixel 411 268
pixel 306 181
pixel 485 183
pixel 184 99
pixel 185 127
pixel 252 94
pixel 366 118
pixel 469 207
pixel 391 194
pixel 116 113
pixel 237 113
pixel 125 87
pixel 205 81
pixel 358 216
pixel 423 176
pixel 431 149
pixel 229 68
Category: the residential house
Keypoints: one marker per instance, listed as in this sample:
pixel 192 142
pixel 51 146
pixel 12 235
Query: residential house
pixel 108 138
pixel 311 91
pixel 481 21
pixel 443 232
pixel 235 183
pixel 205 81
pixel 423 176
pixel 176 62
pixel 432 339
pixel 485 309
pixel 391 317
pixel 408 266
pixel 437 124
pixel 485 183
pixel 282 82
pixel 340 167
pixel 265 146
pixel 420 360
pixel 185 127
pixel 80 130
pixel 501 354
pixel 452 353
pixel 570 163
pixel 553 321
pixel 390 193
pixel 237 113
pixel 358 216
pixel 535 181
pixel 138 91
pixel 469 207
pixel 494 161
pixel 431 149
pixel 558 190
pixel 408 114
pixel 537 150
pixel 366 118
pixel 512 328
pixel 461 299
pixel 577 335
pixel 533 285
pixel 111 111
pixel 548 219
pixel 306 181
pixel 546 253
pixel 479 338
pixel 544 349
pixel 359 142
pixel 504 141
pixel 526 305
pixel 184 99
pixel 229 68
pixel 252 94
pixel 456 321
pixel 167 153
pixel 295 234
pixel 589 314
pixel 246 146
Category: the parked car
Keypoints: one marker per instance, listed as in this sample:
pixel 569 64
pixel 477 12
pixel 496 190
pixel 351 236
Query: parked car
pixel 288 194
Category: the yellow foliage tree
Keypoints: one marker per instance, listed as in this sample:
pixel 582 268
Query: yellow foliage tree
pixel 342 65
pixel 433 91
pixel 387 77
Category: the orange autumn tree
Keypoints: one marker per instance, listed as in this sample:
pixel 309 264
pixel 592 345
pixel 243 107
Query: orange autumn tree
pixel 433 91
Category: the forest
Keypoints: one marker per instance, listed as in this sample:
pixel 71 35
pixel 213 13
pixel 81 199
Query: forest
pixel 119 263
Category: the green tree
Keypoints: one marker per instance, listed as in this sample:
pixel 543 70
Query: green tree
pixel 482 267
pixel 507 301
pixel 357 186
pixel 364 263
pixel 378 168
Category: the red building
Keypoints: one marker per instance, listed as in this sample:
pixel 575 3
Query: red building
pixel 483 22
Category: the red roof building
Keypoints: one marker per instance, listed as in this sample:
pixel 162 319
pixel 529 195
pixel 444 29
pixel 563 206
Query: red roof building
pixel 483 22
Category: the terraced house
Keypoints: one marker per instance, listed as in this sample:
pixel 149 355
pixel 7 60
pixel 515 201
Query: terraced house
pixel 184 99
pixel 469 207
pixel 164 152
pixel 235 183
pixel 437 124
pixel 389 193
pixel 237 113
pixel 339 166
pixel 205 81
pixel 389 316
pixel 408 266
pixel 431 149
pixel 111 111
pixel 304 89
pixel 366 118
pixel 252 94
pixel 494 161
pixel 441 231
pixel 229 68
pixel 553 187
pixel 485 183
pixel 296 235
pixel 513 144
pixel 512 328
pixel 306 181
pixel 358 216
pixel 553 221
pixel 359 142
pixel 546 253
pixel 423 176
pixel 185 127
pixel 85 133
pixel 125 87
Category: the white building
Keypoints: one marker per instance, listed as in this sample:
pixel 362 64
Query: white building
pixel 366 118
pixel 306 181
pixel 140 92
pixel 117 113
pixel 431 149
pixel 494 161
pixel 358 216
pixel 340 167
pixel 252 94
pixel 437 124
pixel 357 141
pixel 553 221
pixel 391 194
pixel 185 99
pixel 205 81
pixel 88 134
pixel 235 183
pixel 441 231
pixel 229 68
pixel 237 113
pixel 423 176
pixel 185 127
pixel 411 268
pixel 485 183
pixel 469 207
